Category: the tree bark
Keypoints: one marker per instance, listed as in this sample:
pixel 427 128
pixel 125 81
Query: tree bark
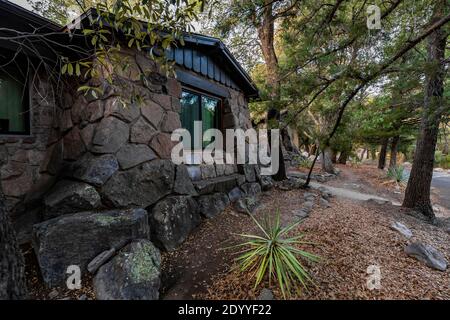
pixel 12 270
pixel 343 157
pixel 333 156
pixel 266 31
pixel 327 164
pixel 382 156
pixel 373 153
pixel 394 148
pixel 417 194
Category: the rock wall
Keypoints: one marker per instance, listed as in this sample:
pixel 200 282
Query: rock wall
pixel 22 171
pixel 95 153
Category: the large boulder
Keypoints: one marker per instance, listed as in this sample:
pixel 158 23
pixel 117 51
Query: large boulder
pixel 212 204
pixel 130 155
pixel 75 239
pixel 140 186
pixel 172 219
pixel 133 274
pixel 69 197
pixel 110 135
pixel 427 254
pixel 92 169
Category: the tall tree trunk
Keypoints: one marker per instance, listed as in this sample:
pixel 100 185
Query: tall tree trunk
pixel 343 157
pixel 417 194
pixel 266 31
pixel 12 271
pixel 382 156
pixel 327 164
pixel 394 148
pixel 333 156
pixel 373 153
pixel 362 154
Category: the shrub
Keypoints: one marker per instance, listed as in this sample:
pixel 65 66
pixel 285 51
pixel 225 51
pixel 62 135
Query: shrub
pixel 304 162
pixel 276 255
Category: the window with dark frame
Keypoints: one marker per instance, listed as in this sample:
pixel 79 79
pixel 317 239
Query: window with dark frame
pixel 14 100
pixel 196 106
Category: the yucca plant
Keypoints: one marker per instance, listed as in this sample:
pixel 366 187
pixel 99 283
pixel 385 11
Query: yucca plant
pixel 275 254
pixel 396 174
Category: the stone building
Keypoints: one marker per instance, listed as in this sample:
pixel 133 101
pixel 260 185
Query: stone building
pixel 84 174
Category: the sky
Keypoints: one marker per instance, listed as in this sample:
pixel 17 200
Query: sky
pixel 22 3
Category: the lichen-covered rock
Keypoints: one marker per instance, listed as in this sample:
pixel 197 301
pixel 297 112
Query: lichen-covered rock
pixel 92 169
pixel 162 145
pixel 183 183
pixel 266 183
pixel 208 171
pixel 170 122
pixel 152 112
pixel 251 189
pixel 142 132
pixel 249 172
pixel 127 113
pixel 131 155
pixel 69 197
pixel 235 194
pixel 140 186
pixel 133 274
pixel 110 135
pixel 213 204
pixel 75 239
pixel 172 219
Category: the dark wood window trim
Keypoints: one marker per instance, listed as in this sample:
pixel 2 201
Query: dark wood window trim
pixel 201 93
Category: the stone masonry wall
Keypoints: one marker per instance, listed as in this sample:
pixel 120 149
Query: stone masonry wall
pixel 98 154
pixel 22 174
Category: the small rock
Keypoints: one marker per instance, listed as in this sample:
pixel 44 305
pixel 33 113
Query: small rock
pixel 266 183
pixel 53 294
pixel 378 201
pixel 300 213
pixel 325 193
pixel 427 254
pixel 100 260
pixel 324 203
pixel 307 206
pixel 400 227
pixel 309 195
pixel 235 194
pixel 246 204
pixel 266 294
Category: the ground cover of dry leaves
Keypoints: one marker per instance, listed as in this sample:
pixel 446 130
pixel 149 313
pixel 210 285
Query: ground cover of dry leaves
pixel 351 236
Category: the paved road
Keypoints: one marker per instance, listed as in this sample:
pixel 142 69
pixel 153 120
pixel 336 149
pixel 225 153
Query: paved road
pixel 441 181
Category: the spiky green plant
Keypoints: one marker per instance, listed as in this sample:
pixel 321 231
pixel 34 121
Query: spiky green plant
pixel 303 162
pixel 275 254
pixel 396 174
